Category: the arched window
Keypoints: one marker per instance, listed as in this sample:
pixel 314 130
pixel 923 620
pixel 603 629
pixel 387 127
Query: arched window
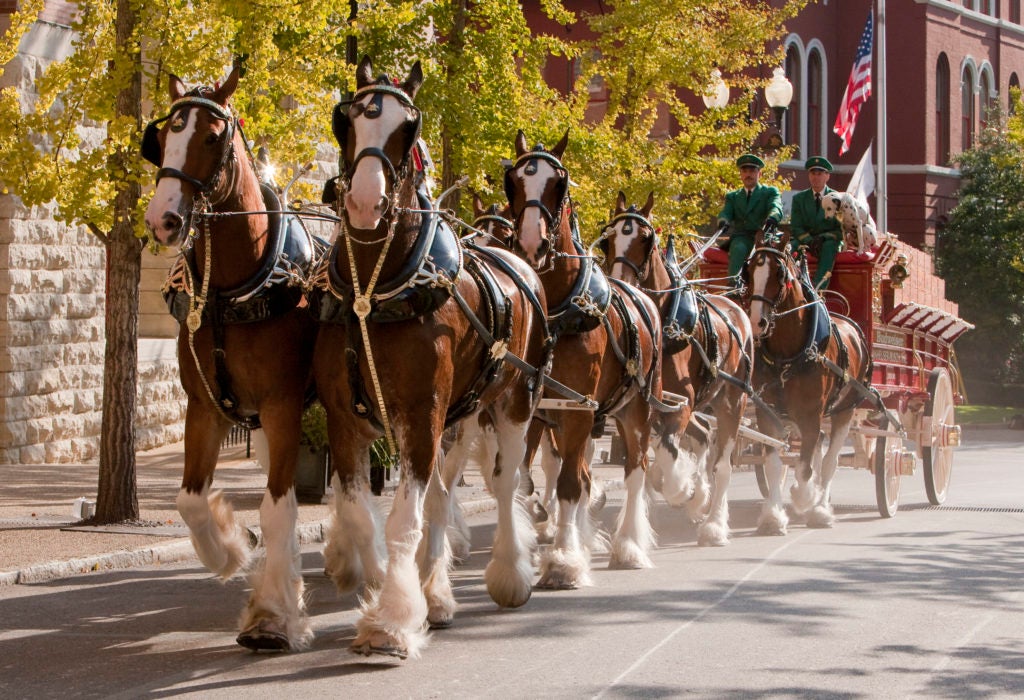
pixel 815 104
pixel 986 102
pixel 942 111
pixel 968 109
pixel 1011 100
pixel 791 123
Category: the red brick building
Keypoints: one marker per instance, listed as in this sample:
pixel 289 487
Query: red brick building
pixel 947 62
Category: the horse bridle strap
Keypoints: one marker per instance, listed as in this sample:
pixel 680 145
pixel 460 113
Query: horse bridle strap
pixel 554 220
pixel 373 111
pixel 773 303
pixel 219 112
pixel 629 215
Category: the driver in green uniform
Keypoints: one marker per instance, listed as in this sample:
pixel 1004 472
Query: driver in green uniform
pixel 809 227
pixel 749 209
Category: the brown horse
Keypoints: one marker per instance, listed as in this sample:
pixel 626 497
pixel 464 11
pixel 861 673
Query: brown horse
pixel 245 346
pixel 809 365
pixel 493 227
pixel 415 334
pixel 607 348
pixel 707 357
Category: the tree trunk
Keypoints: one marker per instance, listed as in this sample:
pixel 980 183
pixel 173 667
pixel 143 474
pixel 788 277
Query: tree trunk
pixel 457 41
pixel 117 497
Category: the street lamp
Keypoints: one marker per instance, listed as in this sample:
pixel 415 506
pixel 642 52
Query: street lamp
pixel 716 95
pixel 779 93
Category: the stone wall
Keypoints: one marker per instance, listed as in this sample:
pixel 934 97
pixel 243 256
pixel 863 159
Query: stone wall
pixel 51 325
pixel 52 304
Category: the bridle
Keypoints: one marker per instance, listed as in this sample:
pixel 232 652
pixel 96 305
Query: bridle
pixel 152 152
pixel 553 219
pixel 348 110
pixel 785 281
pixel 491 220
pixel 628 218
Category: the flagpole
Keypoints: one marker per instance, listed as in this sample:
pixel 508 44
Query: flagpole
pixel 881 181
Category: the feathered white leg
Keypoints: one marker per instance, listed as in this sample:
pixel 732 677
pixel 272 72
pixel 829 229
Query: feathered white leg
pixel 634 538
pixel 509 575
pixel 355 549
pixel 435 555
pixel 275 618
pixel 773 520
pixel 394 616
pixel 220 543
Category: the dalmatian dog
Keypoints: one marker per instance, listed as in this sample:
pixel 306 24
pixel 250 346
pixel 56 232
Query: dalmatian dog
pixel 859 230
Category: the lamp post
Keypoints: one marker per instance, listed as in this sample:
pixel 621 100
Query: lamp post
pixel 716 95
pixel 779 93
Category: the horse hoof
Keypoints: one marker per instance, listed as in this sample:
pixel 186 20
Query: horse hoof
pixel 263 637
pixel 367 649
pixel 550 583
pixel 440 624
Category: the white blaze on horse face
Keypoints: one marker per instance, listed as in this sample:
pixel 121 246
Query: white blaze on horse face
pixel 758 284
pixel 163 215
pixel 366 199
pixel 618 247
pixel 533 227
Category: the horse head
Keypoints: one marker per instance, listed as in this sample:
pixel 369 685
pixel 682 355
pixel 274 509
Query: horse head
pixel 629 241
pixel 494 221
pixel 377 130
pixel 537 187
pixel 194 146
pixel 771 283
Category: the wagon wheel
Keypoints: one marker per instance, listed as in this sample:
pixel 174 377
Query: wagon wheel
pixel 887 471
pixel 762 480
pixel 936 453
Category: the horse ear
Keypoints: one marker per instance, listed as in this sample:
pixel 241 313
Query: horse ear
pixel 521 146
pixel 414 81
pixel 222 94
pixel 478 205
pixel 175 87
pixel 620 203
pixel 364 73
pixel 646 211
pixel 559 148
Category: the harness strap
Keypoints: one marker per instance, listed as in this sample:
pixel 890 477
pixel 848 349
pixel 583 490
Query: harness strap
pixel 500 351
pixel 657 404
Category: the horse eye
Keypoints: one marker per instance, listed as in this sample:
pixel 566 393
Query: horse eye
pixel 212 138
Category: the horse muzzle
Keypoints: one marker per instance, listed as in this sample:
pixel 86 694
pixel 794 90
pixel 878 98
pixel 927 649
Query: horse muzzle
pixel 168 229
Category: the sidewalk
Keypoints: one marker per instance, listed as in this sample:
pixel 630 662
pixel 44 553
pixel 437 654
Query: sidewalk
pixel 40 542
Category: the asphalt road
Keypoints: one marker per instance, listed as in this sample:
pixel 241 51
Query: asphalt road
pixel 927 604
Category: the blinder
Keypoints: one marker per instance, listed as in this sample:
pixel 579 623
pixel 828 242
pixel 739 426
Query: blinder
pixel 561 191
pixel 152 151
pixel 341 125
pixel 630 217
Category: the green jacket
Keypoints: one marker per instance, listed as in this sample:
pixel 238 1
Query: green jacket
pixel 807 222
pixel 749 217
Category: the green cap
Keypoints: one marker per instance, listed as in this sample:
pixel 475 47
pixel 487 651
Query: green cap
pixel 818 163
pixel 749 159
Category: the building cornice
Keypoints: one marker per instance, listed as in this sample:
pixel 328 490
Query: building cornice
pixel 906 169
pixel 975 16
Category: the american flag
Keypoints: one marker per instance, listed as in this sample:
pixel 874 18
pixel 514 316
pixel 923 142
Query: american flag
pixel 858 88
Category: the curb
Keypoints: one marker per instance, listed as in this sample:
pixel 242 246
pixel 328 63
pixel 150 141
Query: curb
pixel 171 552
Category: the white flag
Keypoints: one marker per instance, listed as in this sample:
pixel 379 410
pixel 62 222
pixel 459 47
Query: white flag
pixel 862 184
